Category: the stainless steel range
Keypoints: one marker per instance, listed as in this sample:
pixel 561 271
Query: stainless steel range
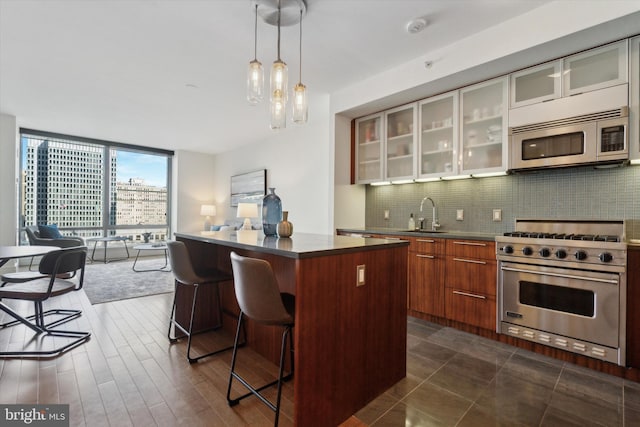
pixel 562 283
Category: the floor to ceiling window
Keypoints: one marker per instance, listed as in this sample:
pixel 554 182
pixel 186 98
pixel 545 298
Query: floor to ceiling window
pixel 94 188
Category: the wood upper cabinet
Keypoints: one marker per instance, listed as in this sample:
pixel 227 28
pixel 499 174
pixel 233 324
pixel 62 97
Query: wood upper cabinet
pixel 471 282
pixel 426 272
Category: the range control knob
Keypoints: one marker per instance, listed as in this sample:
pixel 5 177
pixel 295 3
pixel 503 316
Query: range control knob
pixel 544 252
pixel 561 254
pixel 606 257
pixel 508 249
pixel 527 250
pixel 581 255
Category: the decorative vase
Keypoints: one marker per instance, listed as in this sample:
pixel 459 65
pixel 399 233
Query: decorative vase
pixel 285 228
pixel 271 213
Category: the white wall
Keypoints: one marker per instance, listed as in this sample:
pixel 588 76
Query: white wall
pixel 193 184
pixel 297 160
pixel 8 180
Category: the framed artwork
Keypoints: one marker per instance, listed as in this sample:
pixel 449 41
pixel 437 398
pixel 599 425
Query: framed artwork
pixel 250 186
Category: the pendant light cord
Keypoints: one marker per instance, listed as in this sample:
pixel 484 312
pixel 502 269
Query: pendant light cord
pixel 300 71
pixel 255 36
pixel 278 30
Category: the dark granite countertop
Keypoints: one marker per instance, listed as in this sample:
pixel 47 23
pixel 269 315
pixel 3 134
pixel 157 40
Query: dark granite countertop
pixel 300 245
pixel 405 233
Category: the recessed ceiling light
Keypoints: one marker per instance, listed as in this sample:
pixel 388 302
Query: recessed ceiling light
pixel 416 25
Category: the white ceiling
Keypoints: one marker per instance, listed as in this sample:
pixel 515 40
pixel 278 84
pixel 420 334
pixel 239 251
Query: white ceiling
pixel 171 73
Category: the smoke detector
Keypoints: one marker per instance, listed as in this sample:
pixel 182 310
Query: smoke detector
pixel 416 25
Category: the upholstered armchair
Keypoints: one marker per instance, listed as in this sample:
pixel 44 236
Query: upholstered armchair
pixel 64 242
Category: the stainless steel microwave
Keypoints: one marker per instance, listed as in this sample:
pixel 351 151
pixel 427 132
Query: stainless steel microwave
pixel 588 139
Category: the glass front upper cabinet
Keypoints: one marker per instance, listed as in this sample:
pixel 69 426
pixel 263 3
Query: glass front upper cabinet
pixel 369 148
pixel 483 140
pixel 595 69
pixel 438 136
pixel 400 143
pixel 536 84
pixel 634 111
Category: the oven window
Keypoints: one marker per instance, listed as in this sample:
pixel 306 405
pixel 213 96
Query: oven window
pixel 559 298
pixel 567 144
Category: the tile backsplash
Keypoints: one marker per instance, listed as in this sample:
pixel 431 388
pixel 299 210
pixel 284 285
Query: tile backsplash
pixel 580 193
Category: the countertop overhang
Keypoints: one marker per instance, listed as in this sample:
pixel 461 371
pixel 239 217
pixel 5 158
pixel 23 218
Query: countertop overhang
pixel 363 232
pixel 300 245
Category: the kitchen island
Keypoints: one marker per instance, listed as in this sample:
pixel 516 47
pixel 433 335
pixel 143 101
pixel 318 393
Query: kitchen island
pixel 349 340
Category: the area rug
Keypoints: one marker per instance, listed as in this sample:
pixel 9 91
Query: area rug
pixel 116 280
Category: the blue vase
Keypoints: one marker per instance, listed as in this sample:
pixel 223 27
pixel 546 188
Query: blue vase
pixel 271 213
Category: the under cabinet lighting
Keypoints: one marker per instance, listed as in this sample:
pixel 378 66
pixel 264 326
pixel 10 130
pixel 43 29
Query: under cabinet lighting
pixel 488 174
pixel 451 178
pixel 403 181
pixel 381 183
pixel 437 178
pixel 635 162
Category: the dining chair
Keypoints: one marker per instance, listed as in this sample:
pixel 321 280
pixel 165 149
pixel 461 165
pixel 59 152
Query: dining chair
pixel 53 265
pixel 260 300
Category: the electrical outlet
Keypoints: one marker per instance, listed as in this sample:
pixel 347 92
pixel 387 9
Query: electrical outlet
pixel 460 215
pixel 386 214
pixel 360 275
pixel 497 215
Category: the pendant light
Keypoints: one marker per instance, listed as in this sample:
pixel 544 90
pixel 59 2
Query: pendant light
pixel 300 108
pixel 255 73
pixel 279 82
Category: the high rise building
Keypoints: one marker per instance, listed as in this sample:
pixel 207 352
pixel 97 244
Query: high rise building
pixel 140 203
pixel 64 183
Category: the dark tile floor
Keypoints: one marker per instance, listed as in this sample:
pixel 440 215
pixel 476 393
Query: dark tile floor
pixel 460 379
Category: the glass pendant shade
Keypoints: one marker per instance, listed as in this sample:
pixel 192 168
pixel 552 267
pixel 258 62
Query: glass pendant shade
pixel 279 78
pixel 300 108
pixel 255 82
pixel 278 110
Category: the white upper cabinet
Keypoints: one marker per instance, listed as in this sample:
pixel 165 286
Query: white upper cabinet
pixel 536 84
pixel 438 136
pixel 595 69
pixel 483 113
pixel 634 111
pixel 369 149
pixel 400 143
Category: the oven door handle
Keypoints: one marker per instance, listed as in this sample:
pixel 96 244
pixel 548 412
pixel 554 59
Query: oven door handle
pixel 566 276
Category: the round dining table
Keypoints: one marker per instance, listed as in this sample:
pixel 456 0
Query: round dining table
pixel 12 252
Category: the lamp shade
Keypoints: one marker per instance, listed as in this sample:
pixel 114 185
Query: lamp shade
pixel 247 210
pixel 208 210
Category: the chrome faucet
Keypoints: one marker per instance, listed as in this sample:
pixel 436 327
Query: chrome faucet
pixel 434 218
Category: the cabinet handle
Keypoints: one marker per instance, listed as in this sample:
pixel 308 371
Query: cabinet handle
pixel 425 240
pixel 425 256
pixel 472 261
pixel 465 294
pixel 469 243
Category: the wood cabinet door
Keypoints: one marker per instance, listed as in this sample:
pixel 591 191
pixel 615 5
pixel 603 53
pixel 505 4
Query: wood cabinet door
pixel 426 285
pixel 472 309
pixel 472 275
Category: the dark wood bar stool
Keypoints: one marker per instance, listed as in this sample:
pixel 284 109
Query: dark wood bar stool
pixel 260 300
pixel 185 275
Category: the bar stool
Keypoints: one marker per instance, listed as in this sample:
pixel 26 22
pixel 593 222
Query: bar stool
pixel 185 275
pixel 260 300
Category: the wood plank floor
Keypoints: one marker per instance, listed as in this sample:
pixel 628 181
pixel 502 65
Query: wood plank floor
pixel 128 374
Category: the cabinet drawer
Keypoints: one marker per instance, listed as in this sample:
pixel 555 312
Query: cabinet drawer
pixel 427 245
pixel 472 275
pixel 471 308
pixel 478 249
